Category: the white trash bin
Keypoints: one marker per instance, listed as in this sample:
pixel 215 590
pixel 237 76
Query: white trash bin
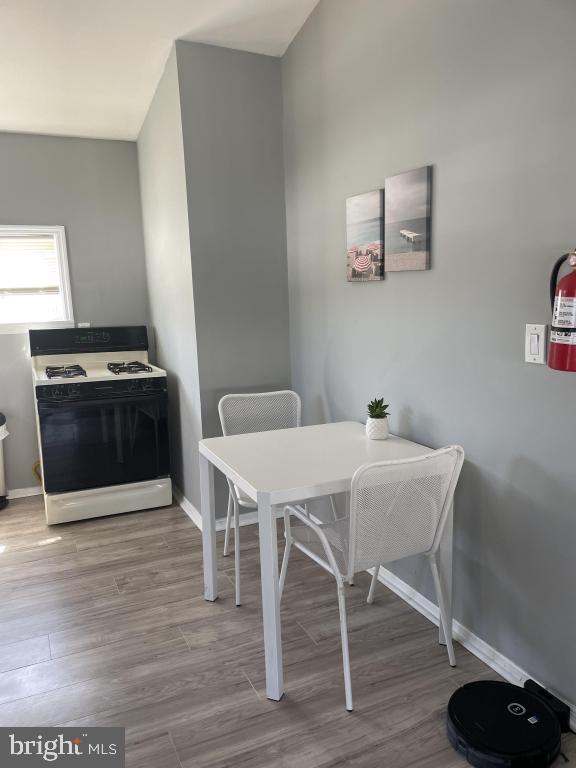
pixel 3 434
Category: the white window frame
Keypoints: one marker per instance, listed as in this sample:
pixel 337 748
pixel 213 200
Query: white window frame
pixel 59 234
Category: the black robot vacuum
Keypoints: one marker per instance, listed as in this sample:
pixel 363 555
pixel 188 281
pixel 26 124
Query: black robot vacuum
pixel 499 725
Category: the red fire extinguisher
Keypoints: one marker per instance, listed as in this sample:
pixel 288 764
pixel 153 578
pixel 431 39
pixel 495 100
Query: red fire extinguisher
pixel 562 350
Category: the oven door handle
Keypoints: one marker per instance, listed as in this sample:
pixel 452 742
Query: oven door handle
pixel 54 405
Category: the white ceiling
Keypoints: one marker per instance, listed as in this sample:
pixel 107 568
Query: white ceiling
pixel 90 67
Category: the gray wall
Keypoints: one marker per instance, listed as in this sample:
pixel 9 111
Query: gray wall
pixel 169 271
pixel 212 181
pixel 232 126
pixel 231 106
pixel 482 90
pixel 90 187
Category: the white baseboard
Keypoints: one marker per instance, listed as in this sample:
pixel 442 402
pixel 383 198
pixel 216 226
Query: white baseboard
pixel 20 493
pixel 501 664
pixel 188 507
pixel 246 518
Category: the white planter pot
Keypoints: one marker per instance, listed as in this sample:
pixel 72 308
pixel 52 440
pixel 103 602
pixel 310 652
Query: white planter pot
pixel 377 429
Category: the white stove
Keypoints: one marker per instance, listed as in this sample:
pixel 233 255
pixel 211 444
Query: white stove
pixel 102 415
pixel 93 366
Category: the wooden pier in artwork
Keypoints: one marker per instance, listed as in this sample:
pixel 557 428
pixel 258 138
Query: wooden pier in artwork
pixel 412 237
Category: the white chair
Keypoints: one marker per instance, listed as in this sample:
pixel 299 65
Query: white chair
pixel 258 412
pixel 397 509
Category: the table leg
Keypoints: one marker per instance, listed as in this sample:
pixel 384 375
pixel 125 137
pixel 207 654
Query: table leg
pixel 208 529
pixel 270 598
pixel 445 567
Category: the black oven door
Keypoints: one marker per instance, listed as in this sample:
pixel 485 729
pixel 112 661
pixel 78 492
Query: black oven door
pixel 103 441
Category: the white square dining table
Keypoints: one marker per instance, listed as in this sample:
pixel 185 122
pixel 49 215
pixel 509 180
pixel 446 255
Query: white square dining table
pixel 286 466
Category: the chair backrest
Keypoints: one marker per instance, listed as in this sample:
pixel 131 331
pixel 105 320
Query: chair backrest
pixel 399 508
pixel 259 412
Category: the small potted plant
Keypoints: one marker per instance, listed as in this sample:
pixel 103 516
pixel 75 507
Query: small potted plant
pixel 377 425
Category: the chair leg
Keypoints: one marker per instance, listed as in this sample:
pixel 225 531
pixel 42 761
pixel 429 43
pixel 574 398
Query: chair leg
pixel 345 651
pixel 284 568
pixel 334 518
pixel 237 551
pixel 446 625
pixel 370 598
pixel 228 521
pixel 287 549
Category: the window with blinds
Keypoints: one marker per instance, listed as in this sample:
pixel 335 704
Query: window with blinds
pixel 34 285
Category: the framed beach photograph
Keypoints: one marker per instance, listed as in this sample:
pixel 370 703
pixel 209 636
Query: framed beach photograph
pixel 365 236
pixel 407 215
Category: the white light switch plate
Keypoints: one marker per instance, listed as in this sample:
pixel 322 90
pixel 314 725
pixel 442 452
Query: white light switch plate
pixel 535 344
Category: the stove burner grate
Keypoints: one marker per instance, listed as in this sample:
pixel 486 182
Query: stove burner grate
pixel 64 371
pixel 134 367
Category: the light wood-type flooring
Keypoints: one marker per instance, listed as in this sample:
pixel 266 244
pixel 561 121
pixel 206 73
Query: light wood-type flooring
pixel 103 623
